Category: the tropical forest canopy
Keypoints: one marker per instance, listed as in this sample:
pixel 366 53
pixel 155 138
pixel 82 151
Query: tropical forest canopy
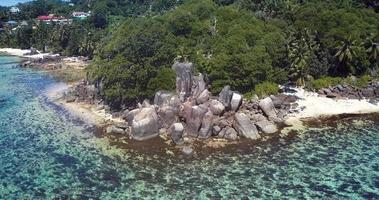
pixel 241 43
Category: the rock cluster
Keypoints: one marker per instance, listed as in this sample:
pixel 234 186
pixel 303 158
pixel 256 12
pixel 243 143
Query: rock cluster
pixel 82 92
pixel 193 112
pixel 344 91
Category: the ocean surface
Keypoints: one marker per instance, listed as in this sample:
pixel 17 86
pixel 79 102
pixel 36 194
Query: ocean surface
pixel 45 153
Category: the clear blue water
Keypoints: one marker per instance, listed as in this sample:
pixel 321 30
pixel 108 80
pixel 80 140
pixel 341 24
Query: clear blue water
pixel 47 154
pixel 11 2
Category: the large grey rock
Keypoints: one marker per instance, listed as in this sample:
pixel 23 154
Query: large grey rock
pixel 244 126
pixel 267 107
pixel 193 119
pixel 236 101
pixel 267 127
pixel 167 116
pixel 184 78
pixel 203 97
pixel 225 96
pixel 206 126
pixel 145 124
pixel 199 85
pixel 176 133
pixel 216 107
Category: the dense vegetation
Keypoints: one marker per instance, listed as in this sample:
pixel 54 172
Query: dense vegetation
pixel 248 44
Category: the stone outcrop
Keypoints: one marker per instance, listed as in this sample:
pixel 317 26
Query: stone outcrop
pixel 245 127
pixel 345 91
pixel 192 112
pixel 145 124
pixel 184 79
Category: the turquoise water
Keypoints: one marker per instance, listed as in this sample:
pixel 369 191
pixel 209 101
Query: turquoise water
pixel 45 153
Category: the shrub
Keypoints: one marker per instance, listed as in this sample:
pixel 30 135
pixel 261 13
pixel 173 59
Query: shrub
pixel 359 82
pixel 325 82
pixel 266 88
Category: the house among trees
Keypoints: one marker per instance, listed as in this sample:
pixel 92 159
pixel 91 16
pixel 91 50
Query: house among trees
pixel 14 10
pixel 52 18
pixel 80 15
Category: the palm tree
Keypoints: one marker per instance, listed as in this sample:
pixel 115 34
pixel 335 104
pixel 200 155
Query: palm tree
pixel 372 51
pixel 300 51
pixel 346 52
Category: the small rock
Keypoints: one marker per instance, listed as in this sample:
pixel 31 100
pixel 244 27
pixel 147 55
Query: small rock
pixel 203 97
pixel 231 134
pixel 176 133
pixel 114 129
pixel 70 99
pixel 216 130
pixel 187 150
pixel 216 107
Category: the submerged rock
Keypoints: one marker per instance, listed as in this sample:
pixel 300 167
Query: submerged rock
pixel 187 150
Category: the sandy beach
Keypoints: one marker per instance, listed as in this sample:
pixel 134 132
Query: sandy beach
pixel 21 53
pixel 314 106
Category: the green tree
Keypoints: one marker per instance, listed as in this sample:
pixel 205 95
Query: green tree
pixel 301 49
pixel 346 53
pixel 372 49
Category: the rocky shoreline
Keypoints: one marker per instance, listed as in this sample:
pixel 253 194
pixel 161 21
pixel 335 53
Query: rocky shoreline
pixel 192 114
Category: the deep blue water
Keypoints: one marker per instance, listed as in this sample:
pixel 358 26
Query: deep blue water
pixel 47 154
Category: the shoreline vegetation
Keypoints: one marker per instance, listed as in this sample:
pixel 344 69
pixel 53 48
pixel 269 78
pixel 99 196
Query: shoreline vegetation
pixel 306 106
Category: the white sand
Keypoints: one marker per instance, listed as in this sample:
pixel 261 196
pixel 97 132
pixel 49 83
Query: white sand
pixel 86 112
pixel 312 105
pixel 316 106
pixel 21 53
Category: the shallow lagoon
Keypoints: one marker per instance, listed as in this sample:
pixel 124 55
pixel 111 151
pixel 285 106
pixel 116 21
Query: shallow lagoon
pixel 45 153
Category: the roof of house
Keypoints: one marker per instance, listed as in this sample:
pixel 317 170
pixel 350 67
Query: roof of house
pixel 11 22
pixel 49 17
